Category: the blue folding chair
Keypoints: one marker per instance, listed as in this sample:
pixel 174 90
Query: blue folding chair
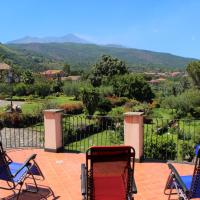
pixel 197 147
pixel 187 187
pixel 35 169
pixel 16 173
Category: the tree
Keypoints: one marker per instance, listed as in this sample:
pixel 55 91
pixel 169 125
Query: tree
pixel 27 77
pixel 185 103
pixel 106 68
pixel 66 69
pixel 193 70
pixel 90 100
pixel 132 86
pixel 42 89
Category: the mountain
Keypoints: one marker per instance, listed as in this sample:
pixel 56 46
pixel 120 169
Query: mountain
pixel 25 59
pixel 40 56
pixel 114 45
pixel 88 53
pixel 67 38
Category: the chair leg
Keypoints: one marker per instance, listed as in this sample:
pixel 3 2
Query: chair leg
pixel 170 193
pixel 168 184
pixel 35 183
pixel 38 168
pixel 21 184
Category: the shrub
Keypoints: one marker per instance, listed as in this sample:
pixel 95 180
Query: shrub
pixel 117 112
pixel 2 96
pixel 117 101
pixel 72 108
pixel 117 137
pixel 160 148
pixel 74 89
pixel 154 104
pixel 195 112
pixel 20 89
pixel 132 86
pixel 15 98
pixel 128 106
pixel 187 152
pixel 57 87
pixel 18 120
pixel 30 89
pixel 5 88
pixel 90 98
pixel 106 91
pixel 184 136
pixel 104 106
pixel 142 107
pixel 44 106
pixel 42 89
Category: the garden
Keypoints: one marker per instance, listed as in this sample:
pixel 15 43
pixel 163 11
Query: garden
pixel 94 107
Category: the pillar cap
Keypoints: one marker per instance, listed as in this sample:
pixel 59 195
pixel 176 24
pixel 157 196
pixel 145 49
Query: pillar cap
pixel 53 111
pixel 133 113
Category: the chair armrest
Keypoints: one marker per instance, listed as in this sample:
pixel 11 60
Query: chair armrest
pixel 7 157
pixel 134 187
pixel 83 180
pixel 177 177
pixel 26 163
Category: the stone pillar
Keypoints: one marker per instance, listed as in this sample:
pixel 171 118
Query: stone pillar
pixel 134 133
pixel 53 140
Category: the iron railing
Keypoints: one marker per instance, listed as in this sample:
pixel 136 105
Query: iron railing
pixel 171 139
pixel 80 131
pixel 32 135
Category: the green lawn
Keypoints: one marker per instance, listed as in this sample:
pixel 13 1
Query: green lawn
pixel 162 113
pixel 34 105
pixel 62 99
pixel 31 107
pixel 103 138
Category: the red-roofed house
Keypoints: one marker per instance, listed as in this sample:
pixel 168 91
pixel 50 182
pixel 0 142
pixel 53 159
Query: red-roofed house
pixel 53 73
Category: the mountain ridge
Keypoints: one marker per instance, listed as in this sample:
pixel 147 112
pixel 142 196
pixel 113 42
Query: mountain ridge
pixel 40 56
pixel 49 39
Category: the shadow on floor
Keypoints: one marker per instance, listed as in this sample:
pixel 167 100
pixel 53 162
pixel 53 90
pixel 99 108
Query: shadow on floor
pixel 43 193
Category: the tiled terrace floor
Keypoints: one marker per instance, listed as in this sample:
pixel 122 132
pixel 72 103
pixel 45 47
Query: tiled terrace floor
pixel 62 172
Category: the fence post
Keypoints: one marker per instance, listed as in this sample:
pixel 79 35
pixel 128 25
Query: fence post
pixel 134 132
pixel 53 141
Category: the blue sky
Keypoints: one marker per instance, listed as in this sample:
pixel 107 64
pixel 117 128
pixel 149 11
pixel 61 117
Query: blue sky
pixel 159 25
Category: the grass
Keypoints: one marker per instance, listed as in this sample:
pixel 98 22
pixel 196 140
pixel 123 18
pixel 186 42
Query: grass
pixel 162 113
pixel 31 106
pixel 61 100
pixel 103 138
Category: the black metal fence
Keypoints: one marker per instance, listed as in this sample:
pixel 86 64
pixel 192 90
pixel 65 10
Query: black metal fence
pixel 80 132
pixel 171 139
pixel 163 139
pixel 18 137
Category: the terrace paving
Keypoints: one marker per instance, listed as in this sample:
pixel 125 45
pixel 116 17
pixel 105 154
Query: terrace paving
pixel 62 176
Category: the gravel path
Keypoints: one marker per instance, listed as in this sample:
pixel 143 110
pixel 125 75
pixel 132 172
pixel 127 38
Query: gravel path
pixel 4 103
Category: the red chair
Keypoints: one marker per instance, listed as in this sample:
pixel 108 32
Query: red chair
pixel 108 173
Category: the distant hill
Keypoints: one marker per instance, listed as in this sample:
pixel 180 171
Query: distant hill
pixel 83 55
pixel 25 59
pixel 67 38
